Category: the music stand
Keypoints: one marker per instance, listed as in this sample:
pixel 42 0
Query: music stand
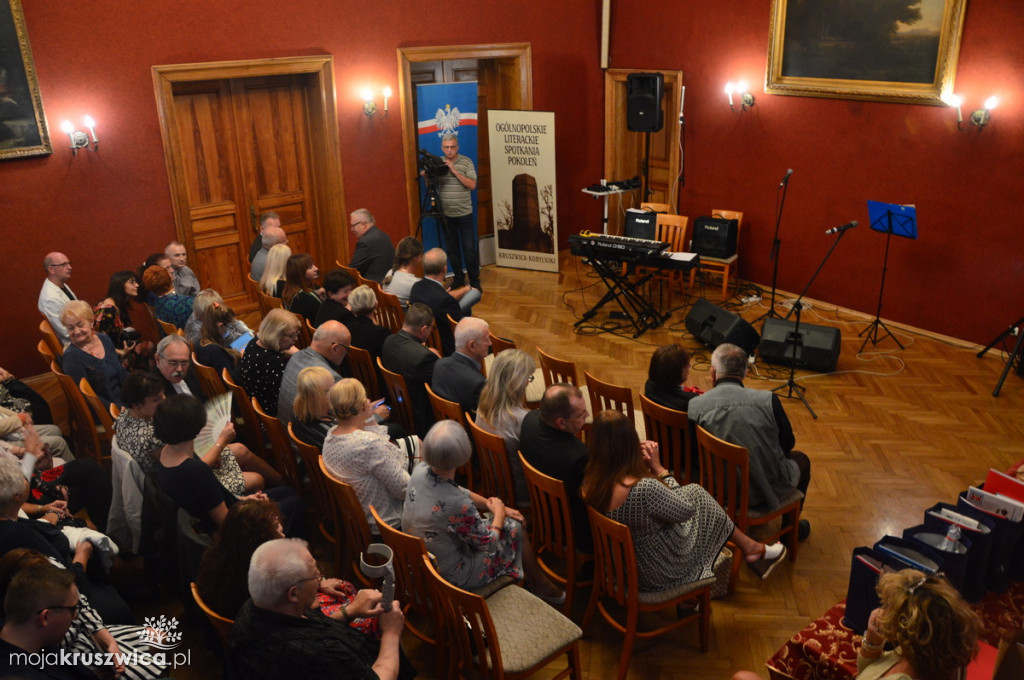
pixel 888 218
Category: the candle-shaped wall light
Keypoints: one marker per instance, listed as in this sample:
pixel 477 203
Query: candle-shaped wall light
pixel 80 140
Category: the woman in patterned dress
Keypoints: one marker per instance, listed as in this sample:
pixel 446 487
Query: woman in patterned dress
pixel 170 307
pixel 266 356
pixel 112 318
pixel 471 549
pixel 678 531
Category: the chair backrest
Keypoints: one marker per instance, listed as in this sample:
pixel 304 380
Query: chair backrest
pixel 434 339
pixel 656 207
pixel 352 272
pixel 389 308
pixel 83 427
pixel 608 397
pixel 615 570
pixel 253 287
pixel 284 459
pixel 115 411
pixel 240 400
pixel 50 338
pixel 725 474
pixel 306 330
pixel 351 518
pixel 46 352
pixel 310 456
pixel 445 409
pixel 99 411
pixel 672 228
pixel 144 320
pixel 220 623
pixel 675 435
pixel 268 302
pixel 399 398
pixel 363 370
pixel 191 545
pixel 495 473
pixel 499 345
pixel 209 380
pixel 731 215
pixel 167 327
pixel 557 370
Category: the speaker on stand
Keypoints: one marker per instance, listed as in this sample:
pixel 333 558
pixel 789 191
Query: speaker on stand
pixel 643 111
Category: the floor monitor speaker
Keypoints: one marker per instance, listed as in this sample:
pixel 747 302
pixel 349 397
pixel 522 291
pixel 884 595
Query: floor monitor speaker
pixel 820 350
pixel 643 102
pixel 711 326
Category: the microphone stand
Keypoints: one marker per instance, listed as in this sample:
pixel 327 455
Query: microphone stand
pixel 795 391
pixel 774 255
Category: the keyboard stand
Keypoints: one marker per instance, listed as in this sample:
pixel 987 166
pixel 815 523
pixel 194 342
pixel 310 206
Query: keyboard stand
pixel 638 310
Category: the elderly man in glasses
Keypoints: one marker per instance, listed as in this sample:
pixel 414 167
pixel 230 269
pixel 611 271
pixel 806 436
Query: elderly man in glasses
pixel 174 361
pixel 56 293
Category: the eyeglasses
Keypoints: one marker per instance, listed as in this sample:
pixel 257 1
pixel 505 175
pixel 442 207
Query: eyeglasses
pixel 356 224
pixel 60 264
pixel 319 578
pixel 74 609
pixel 530 379
pixel 176 363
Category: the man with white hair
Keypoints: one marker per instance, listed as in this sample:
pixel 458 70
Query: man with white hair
pixel 755 420
pixel 267 219
pixel 430 291
pixel 174 361
pixel 56 293
pixel 185 280
pixel 279 634
pixel 374 253
pixel 459 377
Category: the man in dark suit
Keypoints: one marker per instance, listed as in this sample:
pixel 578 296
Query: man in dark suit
pixel 374 253
pixel 405 354
pixel 174 361
pixel 548 441
pixel 459 376
pixel 430 291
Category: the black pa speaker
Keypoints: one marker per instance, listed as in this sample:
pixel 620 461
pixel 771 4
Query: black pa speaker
pixel 714 237
pixel 820 350
pixel 643 102
pixel 641 224
pixel 711 326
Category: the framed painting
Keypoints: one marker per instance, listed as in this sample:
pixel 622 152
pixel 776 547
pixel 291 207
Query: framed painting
pixel 883 50
pixel 23 129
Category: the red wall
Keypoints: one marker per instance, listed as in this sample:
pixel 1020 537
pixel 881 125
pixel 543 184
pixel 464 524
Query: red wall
pixel 107 211
pixel 963 275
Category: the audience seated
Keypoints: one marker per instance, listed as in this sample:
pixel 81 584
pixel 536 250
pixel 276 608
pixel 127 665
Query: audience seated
pixel 170 307
pixel 214 349
pixel 374 252
pixel 56 293
pixel 266 356
pixel 185 281
pixel 678 531
pixel 269 219
pixel 358 452
pixel 205 299
pixel 19 414
pixel 408 262
pixel 470 549
pixel 337 287
pixel 501 409
pixel 174 363
pixel 328 348
pixel 144 295
pixel 669 368
pixel 111 317
pixel 431 291
pixel 277 635
pixel 365 333
pixel 272 236
pixel 405 354
pixel 313 420
pixel 299 296
pixel 272 281
pixel 91 355
pixel 460 377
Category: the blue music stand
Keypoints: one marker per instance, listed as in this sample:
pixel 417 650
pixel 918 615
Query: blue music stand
pixel 888 218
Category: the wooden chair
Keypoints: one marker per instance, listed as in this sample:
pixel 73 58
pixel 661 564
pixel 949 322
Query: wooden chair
pixel 253 286
pixel 723 265
pixel 352 272
pixel 83 427
pixel 221 624
pixel 557 370
pixel 50 338
pixel 267 302
pixel 499 345
pixel 101 413
pixel 725 473
pixel 209 380
pixel 115 411
pixel 434 340
pixel 364 371
pixel 250 423
pixel 284 459
pixel 607 397
pixel 46 352
pixel 616 579
pixel 322 501
pixel 672 229
pixel 657 207
pixel 349 517
pixel 450 410
pixel 552 533
pixel 495 472
pixel 676 437
pixel 512 634
pixel 168 328
pixel 306 331
pixel 389 307
pixel 398 398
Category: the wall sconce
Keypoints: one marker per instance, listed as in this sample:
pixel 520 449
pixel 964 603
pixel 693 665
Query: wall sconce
pixel 980 117
pixel 955 101
pixel 370 107
pixel 740 88
pixel 79 140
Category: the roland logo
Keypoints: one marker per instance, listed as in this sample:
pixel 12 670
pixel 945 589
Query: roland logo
pixel 712 227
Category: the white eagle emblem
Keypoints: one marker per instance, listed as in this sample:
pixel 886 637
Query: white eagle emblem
pixel 447 120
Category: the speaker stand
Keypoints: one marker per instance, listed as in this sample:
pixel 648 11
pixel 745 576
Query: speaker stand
pixel 647 191
pixel 1015 355
pixel 794 391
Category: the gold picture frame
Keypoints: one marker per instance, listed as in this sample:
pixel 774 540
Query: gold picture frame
pixel 23 130
pixel 842 50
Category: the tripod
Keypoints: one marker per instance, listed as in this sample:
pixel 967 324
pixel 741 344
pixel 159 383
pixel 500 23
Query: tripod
pixel 794 391
pixel 872 331
pixel 430 208
pixel 1015 355
pixel 776 244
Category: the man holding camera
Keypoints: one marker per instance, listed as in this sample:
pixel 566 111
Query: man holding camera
pixel 456 202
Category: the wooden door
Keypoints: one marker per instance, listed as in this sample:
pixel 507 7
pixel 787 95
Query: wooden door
pixel 624 150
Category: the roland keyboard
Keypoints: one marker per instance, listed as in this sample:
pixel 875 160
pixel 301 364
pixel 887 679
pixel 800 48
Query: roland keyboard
pixel 640 251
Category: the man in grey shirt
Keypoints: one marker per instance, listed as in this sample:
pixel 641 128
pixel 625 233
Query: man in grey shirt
pixel 271 237
pixel 457 204
pixel 328 349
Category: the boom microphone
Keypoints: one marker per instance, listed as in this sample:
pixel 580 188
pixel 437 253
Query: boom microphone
pixel 840 230
pixel 785 180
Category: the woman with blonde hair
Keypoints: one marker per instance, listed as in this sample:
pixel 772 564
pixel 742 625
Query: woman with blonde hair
pixel 359 452
pixel 501 408
pixel 313 420
pixel 365 333
pixel 272 281
pixel 91 355
pixel 203 300
pixel 266 356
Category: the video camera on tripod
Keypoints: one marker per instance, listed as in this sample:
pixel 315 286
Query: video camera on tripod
pixel 430 165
